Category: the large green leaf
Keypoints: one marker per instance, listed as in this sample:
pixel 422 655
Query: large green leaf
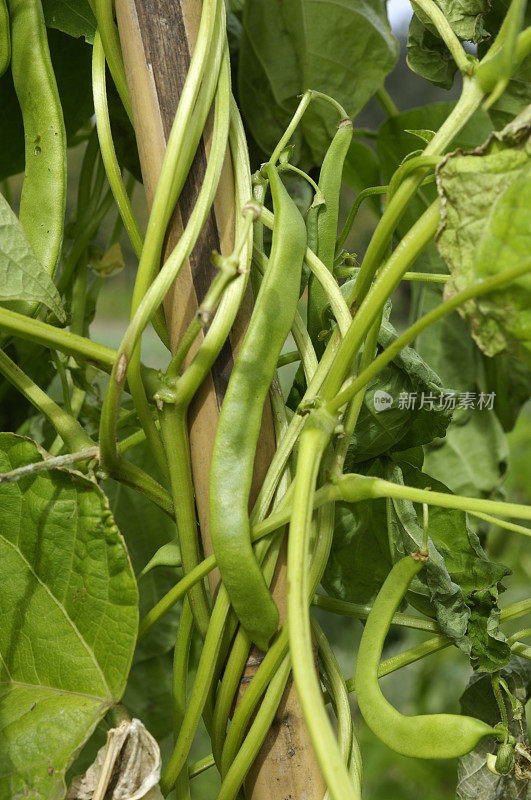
pixel 343 48
pixel 23 279
pixel 71 60
pixel 69 610
pixel 486 227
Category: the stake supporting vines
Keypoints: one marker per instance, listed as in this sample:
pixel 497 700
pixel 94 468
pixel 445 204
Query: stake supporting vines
pixel 157 58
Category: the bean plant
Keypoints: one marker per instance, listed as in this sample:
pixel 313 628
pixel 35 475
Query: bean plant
pixel 386 484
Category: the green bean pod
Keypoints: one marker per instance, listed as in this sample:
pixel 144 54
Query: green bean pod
pixel 423 736
pixel 43 200
pixel 5 38
pixel 327 218
pixel 240 419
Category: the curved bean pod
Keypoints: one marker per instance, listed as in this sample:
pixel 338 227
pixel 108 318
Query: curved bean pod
pixel 240 419
pixel 421 736
pixel 43 200
pixel 5 38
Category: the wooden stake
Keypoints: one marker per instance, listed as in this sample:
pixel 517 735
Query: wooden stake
pixel 157 37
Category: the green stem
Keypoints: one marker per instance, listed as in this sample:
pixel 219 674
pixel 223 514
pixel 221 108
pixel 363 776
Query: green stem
pixel 82 240
pixel 68 428
pixel 34 330
pixel 359 611
pixel 174 426
pixel 56 462
pixel 337 690
pixel 370 191
pixel 388 279
pixel 312 444
pixel 386 102
pixel 475 290
pixel 103 10
pixel 351 488
pixel 108 153
pixel 160 286
pixel 468 102
pixel 198 696
pixel 445 31
pixel 180 674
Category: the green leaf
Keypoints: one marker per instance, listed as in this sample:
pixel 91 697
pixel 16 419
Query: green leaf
pixel 23 280
pixel 360 558
pixel 486 227
pixel 69 620
pixel 71 60
pixel 146 529
pixel 168 555
pixel 74 17
pixel 466 18
pixel 424 134
pixel 402 406
pixel 428 56
pixel 473 457
pixel 344 49
pixel 475 782
pixel 469 568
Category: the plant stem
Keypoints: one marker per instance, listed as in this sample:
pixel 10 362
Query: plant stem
pixel 386 102
pixel 56 462
pixel 34 330
pixel 444 29
pixel 469 101
pixel 158 289
pixel 108 153
pixel 312 444
pixel 388 279
pixel 103 10
pixel 475 290
pixel 174 426
pixel 359 611
pixel 68 428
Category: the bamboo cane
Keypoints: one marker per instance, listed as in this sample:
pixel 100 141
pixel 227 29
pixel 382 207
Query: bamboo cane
pixel 157 37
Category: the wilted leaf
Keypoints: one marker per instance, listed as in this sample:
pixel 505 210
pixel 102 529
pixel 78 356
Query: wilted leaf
pixel 486 227
pixel 23 280
pixel 344 49
pixel 126 768
pixel 69 620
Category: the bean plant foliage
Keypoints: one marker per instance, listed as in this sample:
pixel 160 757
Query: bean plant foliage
pixel 390 430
